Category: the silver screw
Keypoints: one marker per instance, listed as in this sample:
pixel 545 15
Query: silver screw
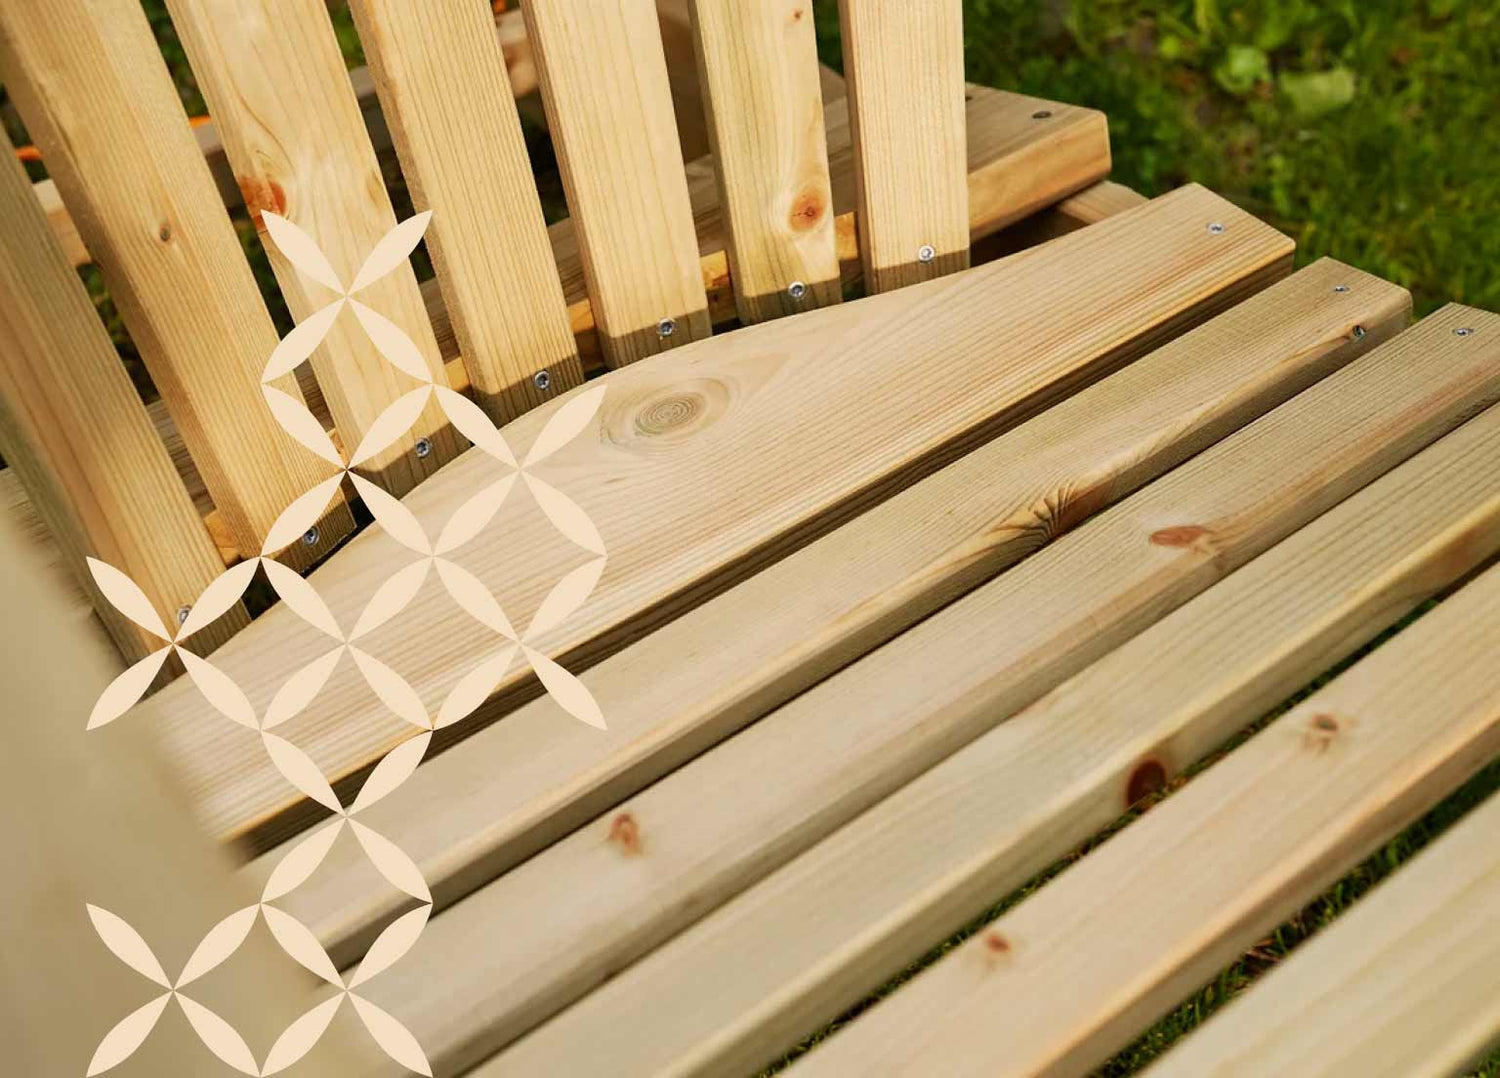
pixel 666 327
pixel 1341 288
pixel 424 447
pixel 797 290
pixel 310 537
pixel 1217 228
pixel 542 380
pixel 182 615
pixel 925 253
pixel 1463 331
pixel 1041 114
pixel 1358 333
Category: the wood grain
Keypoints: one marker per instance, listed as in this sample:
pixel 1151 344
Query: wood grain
pixel 1404 985
pixel 904 63
pixel 866 903
pixel 1204 875
pixel 72 425
pixel 609 108
pixel 274 78
pixel 469 815
pixel 913 379
pixel 443 86
pixel 765 107
pixel 91 86
pixel 712 828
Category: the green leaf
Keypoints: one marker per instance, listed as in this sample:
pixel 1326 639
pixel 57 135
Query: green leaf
pixel 1241 68
pixel 1317 93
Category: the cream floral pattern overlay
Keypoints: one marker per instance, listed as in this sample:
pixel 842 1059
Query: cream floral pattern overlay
pixel 389 600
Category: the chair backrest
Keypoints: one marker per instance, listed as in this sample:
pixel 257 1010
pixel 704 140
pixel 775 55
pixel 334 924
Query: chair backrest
pixel 518 312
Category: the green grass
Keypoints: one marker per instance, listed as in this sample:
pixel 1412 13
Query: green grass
pixel 1365 129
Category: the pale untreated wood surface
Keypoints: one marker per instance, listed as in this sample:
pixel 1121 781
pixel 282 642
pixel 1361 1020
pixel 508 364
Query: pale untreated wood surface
pixel 1405 985
pixel 916 376
pixel 904 64
pixel 441 75
pixel 854 911
pixel 468 815
pixel 715 826
pixel 274 79
pixel 765 109
pixel 1204 875
pixel 609 108
pixel 92 88
pixel 72 425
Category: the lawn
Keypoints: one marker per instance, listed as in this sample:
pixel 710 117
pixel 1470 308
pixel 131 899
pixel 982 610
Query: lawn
pixel 1365 130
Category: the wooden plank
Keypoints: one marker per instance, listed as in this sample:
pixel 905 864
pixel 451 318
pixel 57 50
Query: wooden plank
pixel 274 78
pixel 92 88
pixel 904 64
pixel 862 906
pixel 715 826
pixel 123 838
pixel 438 68
pixel 72 425
pixel 922 374
pixel 1201 877
pixel 468 816
pixel 765 110
pixel 609 108
pixel 1087 207
pixel 1405 985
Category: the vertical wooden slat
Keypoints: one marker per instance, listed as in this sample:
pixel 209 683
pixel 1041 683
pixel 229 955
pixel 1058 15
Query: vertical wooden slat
pixel 93 90
pixel 292 131
pixel 74 429
pixel 604 81
pixel 905 66
pixel 442 81
pixel 763 97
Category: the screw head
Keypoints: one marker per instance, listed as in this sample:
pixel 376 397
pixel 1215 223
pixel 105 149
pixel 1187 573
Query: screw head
pixel 926 253
pixel 424 447
pixel 1217 228
pixel 796 290
pixel 1463 331
pixel 666 327
pixel 1041 114
pixel 542 380
pixel 182 614
pixel 310 537
pixel 1341 288
pixel 1358 333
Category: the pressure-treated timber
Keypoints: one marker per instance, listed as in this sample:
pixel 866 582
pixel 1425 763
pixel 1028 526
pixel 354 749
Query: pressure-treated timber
pixel 442 82
pixel 90 83
pixel 655 863
pixel 72 425
pixel 1202 876
pixel 765 110
pixel 904 63
pixel 1087 207
pixel 860 907
pixel 609 108
pixel 912 378
pixel 274 79
pixel 467 816
pixel 1405 985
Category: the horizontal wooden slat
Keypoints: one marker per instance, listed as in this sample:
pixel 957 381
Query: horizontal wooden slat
pixel 1056 985
pixel 914 378
pixel 1405 985
pixel 90 83
pixel 715 826
pixel 469 815
pixel 812 939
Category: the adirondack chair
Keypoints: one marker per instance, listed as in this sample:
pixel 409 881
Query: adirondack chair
pixel 903 503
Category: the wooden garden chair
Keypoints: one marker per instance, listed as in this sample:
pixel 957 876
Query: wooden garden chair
pixel 922 502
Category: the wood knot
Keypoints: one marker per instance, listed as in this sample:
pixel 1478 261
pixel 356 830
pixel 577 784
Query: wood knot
pixel 658 421
pixel 1149 777
pixel 1180 535
pixel 665 414
pixel 261 195
pixel 164 233
pixel 996 943
pixel 808 209
pixel 1322 730
pixel 797 15
pixel 625 833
